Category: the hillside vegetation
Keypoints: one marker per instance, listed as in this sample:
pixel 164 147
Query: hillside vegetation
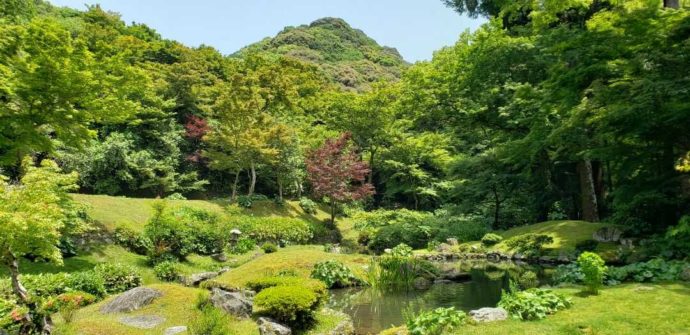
pixel 348 56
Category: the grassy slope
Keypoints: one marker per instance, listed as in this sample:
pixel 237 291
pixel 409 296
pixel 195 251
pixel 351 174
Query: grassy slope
pixel 300 259
pixel 620 310
pixel 566 235
pixel 134 212
pixel 176 306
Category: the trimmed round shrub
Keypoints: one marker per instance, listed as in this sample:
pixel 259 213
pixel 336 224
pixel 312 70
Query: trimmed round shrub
pixel 491 239
pixel 335 274
pixel 243 245
pixel 290 304
pixel 132 240
pixel 307 205
pixel 167 271
pixel 593 268
pixel 269 247
pixel 316 286
pixel 281 230
pixel 390 236
pixel 87 281
pixel 117 277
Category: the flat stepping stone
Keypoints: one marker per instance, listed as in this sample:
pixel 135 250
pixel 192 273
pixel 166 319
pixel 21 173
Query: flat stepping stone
pixel 142 321
pixel 175 330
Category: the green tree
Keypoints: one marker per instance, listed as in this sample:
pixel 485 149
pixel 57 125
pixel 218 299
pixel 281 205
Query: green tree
pixel 32 218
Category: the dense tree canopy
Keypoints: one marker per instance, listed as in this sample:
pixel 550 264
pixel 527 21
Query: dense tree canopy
pixel 552 109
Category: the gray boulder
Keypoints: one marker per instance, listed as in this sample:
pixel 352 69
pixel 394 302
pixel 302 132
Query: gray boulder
pixel 452 241
pixel 197 278
pixel 269 326
pixel 444 247
pixel 131 300
pixel 175 330
pixel 456 275
pixel 607 234
pixel 142 321
pixel 233 303
pixel 489 314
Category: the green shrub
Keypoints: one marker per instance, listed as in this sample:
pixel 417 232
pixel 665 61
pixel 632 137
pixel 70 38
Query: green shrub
pixel 67 304
pixel 335 274
pixel 436 322
pixel 7 322
pixel 167 234
pixel 167 271
pixel 243 245
pixel 533 304
pixel 586 245
pixel 491 239
pixel 528 280
pixel 269 247
pixel 401 250
pixel 529 244
pixel 176 196
pixel 280 230
pixel 313 285
pixel 390 236
pixel 308 205
pixel 568 274
pixel 654 270
pixel 87 281
pixel 593 268
pixel 292 305
pixel 132 240
pixel 464 228
pixel 46 284
pixel 245 201
pixel 117 277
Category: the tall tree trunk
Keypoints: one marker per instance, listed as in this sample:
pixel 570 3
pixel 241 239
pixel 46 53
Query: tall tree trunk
pixel 280 189
pixel 370 177
pixel 672 4
pixel 17 286
pixel 333 208
pixel 252 182
pixel 497 207
pixel 298 185
pixel 588 195
pixel 234 186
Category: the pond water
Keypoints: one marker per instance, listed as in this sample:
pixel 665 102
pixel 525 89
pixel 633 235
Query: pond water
pixel 373 311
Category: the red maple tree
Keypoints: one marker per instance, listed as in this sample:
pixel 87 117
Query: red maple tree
pixel 336 172
pixel 196 127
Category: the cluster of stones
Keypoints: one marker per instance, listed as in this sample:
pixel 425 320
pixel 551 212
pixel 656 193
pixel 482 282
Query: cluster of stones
pixel 239 304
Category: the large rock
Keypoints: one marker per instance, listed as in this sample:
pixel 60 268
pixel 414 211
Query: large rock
pixel 142 321
pixel 131 300
pixel 489 314
pixel 607 234
pixel 233 303
pixel 455 275
pixel 444 247
pixel 197 278
pixel 269 326
pixel 175 330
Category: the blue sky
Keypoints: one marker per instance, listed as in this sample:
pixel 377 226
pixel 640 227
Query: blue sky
pixel 415 27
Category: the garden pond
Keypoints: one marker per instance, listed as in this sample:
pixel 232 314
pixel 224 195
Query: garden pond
pixel 373 310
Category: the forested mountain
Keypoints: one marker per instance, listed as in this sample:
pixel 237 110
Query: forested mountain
pixel 348 56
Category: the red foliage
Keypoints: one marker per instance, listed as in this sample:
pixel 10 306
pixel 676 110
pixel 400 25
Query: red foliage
pixel 196 127
pixel 336 171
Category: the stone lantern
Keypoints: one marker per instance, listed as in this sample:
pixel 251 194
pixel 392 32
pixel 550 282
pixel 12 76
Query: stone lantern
pixel 234 236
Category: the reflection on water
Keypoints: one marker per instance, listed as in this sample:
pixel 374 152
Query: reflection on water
pixel 373 311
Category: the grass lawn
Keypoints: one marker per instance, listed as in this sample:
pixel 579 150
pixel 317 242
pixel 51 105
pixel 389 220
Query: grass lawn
pixel 117 254
pixel 176 306
pixel 300 259
pixel 630 309
pixel 135 212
